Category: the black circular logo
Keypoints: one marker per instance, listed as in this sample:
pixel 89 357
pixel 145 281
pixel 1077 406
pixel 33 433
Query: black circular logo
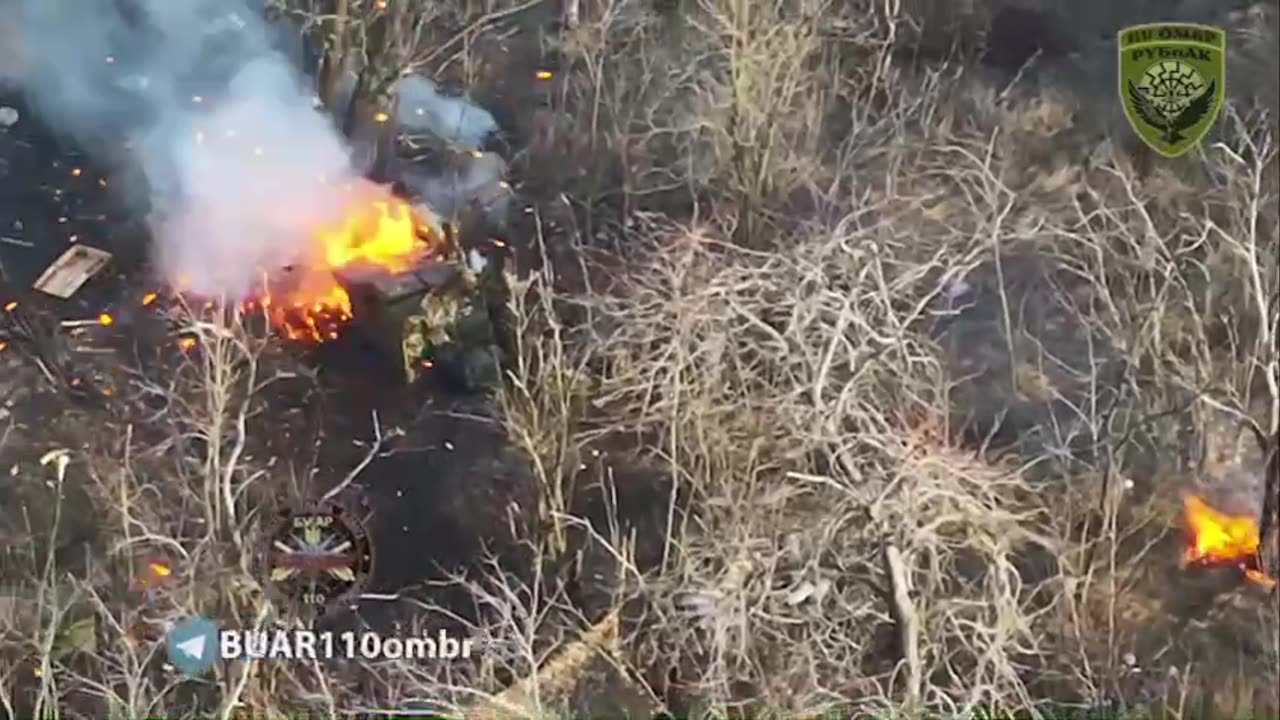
pixel 316 557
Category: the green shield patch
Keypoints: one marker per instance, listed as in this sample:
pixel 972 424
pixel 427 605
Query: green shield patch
pixel 1172 82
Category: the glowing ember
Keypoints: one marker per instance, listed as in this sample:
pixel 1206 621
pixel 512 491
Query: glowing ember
pixel 1216 538
pixel 154 575
pixel 385 233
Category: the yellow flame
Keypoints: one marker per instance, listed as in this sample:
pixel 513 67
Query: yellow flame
pixel 382 232
pixel 1215 537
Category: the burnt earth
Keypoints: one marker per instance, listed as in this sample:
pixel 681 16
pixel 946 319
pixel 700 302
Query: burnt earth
pixel 435 497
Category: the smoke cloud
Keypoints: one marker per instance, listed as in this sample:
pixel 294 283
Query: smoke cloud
pixel 241 167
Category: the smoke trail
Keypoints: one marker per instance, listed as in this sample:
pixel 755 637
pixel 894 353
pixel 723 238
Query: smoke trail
pixel 240 165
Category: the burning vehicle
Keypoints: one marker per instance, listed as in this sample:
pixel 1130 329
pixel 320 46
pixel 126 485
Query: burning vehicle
pixel 396 273
pixel 258 193
pixel 410 265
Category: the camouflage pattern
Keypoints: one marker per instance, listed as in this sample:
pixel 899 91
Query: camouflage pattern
pixel 451 332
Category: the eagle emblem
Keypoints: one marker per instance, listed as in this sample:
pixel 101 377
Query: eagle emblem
pixel 1172 83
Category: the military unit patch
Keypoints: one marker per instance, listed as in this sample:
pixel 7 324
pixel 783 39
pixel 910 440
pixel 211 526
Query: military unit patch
pixel 1172 83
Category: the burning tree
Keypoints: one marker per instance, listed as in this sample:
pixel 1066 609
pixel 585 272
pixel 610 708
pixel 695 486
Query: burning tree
pixel 1229 520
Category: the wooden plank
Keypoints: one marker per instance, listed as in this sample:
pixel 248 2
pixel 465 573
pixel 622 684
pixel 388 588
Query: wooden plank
pixel 72 270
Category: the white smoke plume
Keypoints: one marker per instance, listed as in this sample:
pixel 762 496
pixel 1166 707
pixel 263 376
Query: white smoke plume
pixel 241 167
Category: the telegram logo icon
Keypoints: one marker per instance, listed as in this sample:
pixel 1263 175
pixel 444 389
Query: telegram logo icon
pixel 193 645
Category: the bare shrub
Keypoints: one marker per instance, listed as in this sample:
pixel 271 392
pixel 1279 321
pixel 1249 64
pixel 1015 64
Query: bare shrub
pixel 179 496
pixel 723 98
pixel 843 548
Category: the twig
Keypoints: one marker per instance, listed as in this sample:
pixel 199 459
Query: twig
pixel 908 621
pixel 378 440
pixel 472 28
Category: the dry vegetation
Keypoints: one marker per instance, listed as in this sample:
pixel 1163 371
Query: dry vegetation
pixel 919 365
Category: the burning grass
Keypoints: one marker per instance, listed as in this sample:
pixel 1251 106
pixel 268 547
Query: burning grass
pixel 1217 538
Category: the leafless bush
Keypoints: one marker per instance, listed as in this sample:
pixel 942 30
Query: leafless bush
pixel 177 492
pixel 842 547
pixel 723 98
pixel 543 403
pixel 786 389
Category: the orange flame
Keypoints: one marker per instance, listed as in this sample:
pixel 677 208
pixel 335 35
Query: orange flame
pixel 384 233
pixel 1217 538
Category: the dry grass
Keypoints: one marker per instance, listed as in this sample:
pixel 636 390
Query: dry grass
pixel 185 481
pixel 876 510
pixel 843 551
pixel 171 485
pixel 846 546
